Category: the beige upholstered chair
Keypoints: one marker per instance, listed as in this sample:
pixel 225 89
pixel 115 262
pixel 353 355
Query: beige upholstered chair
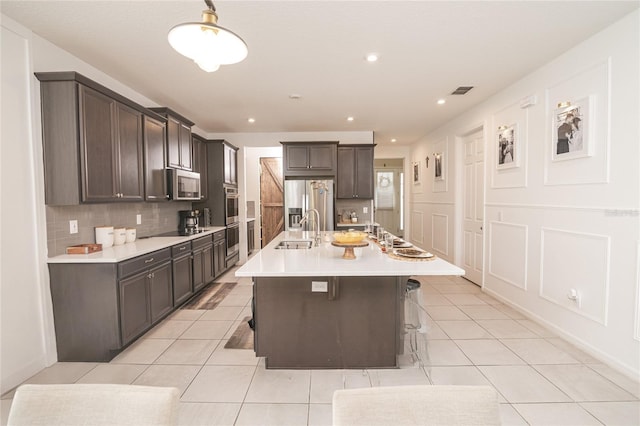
pixel 94 404
pixel 416 405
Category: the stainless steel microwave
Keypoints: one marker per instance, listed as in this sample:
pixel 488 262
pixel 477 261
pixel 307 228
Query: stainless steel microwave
pixel 184 185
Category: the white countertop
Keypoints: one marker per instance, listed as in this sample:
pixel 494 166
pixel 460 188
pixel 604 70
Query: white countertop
pixel 326 260
pixel 126 251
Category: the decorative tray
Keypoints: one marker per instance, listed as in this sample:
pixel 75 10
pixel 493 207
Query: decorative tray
pixel 84 249
pixel 413 253
pixel 401 244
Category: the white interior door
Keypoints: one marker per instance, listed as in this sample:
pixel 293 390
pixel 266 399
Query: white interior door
pixel 473 193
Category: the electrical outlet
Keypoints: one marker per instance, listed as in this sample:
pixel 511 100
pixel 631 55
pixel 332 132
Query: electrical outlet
pixel 73 226
pixel 138 219
pixel 365 210
pixel 319 286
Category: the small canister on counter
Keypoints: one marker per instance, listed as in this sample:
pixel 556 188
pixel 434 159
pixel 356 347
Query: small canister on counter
pixel 119 236
pixel 104 236
pixel 131 235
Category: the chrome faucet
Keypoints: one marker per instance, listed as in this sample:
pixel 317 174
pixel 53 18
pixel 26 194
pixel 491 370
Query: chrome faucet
pixel 305 218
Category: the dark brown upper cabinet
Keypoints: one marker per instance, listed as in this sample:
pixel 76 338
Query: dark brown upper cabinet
pixel 230 164
pixel 155 159
pixel 200 163
pixel 179 150
pixel 92 141
pixel 355 172
pixel 309 158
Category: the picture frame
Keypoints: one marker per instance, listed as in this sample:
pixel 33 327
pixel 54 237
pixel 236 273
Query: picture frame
pixel 571 130
pixel 507 147
pixel 416 173
pixel 438 168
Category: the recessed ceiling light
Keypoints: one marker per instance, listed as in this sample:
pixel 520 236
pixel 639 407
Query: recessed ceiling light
pixel 349 118
pixel 372 57
pixel 251 120
pixel 393 140
pixel 441 101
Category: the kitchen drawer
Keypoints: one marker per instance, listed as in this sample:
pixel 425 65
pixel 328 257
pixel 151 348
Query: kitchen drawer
pixel 181 249
pixel 201 242
pixel 220 235
pixel 147 261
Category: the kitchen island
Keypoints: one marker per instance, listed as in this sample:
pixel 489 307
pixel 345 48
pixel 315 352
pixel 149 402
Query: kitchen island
pixel 314 309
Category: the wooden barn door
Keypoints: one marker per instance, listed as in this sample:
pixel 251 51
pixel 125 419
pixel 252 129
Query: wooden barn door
pixel 271 198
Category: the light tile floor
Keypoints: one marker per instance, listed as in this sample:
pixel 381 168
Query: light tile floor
pixel 473 339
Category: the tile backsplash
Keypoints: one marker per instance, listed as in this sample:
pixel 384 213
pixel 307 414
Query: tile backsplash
pixel 345 207
pixel 156 219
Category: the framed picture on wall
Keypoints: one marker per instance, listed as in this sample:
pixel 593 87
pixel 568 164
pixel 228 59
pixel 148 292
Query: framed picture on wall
pixel 438 161
pixel 508 149
pixel 416 173
pixel 571 124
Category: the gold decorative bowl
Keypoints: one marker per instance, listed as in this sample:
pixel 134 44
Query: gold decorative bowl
pixel 349 237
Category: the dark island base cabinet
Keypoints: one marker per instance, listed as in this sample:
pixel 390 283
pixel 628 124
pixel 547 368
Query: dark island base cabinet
pixel 357 323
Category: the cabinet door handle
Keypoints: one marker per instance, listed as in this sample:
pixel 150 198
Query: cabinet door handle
pixel 182 248
pixel 149 260
pixel 333 288
pixel 150 276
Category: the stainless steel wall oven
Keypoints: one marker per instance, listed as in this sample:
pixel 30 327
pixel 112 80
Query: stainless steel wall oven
pixel 231 205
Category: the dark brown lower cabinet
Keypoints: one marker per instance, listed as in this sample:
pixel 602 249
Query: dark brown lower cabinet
pixel 182 279
pixel 161 292
pixel 145 298
pixel 99 308
pixel 356 323
pixel 250 236
pixel 207 265
pixel 135 313
pixel 202 262
pixel 219 253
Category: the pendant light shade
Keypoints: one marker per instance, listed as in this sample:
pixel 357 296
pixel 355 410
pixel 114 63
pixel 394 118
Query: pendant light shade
pixel 206 43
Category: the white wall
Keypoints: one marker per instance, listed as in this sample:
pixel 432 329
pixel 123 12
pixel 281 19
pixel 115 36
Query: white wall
pixel 28 337
pixel 26 322
pixel 552 226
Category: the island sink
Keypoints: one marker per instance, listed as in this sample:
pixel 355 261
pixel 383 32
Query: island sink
pixel 300 244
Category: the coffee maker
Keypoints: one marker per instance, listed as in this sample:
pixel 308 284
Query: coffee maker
pixel 188 222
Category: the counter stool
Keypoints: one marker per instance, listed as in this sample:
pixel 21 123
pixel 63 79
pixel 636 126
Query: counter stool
pixel 415 322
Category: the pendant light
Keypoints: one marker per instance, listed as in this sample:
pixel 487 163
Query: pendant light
pixel 208 44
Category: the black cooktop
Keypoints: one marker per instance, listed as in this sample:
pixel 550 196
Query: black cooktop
pixel 180 233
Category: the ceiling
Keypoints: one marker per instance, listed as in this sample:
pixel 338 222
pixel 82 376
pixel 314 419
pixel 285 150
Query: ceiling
pixel 316 49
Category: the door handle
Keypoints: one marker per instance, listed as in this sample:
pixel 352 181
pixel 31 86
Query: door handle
pixel 333 288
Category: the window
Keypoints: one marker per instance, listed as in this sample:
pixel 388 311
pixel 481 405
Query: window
pixel 385 191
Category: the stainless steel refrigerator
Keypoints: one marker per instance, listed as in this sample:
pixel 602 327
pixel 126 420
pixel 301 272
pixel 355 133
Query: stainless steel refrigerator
pixel 301 195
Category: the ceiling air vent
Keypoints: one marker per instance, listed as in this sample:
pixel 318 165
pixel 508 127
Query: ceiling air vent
pixel 462 90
